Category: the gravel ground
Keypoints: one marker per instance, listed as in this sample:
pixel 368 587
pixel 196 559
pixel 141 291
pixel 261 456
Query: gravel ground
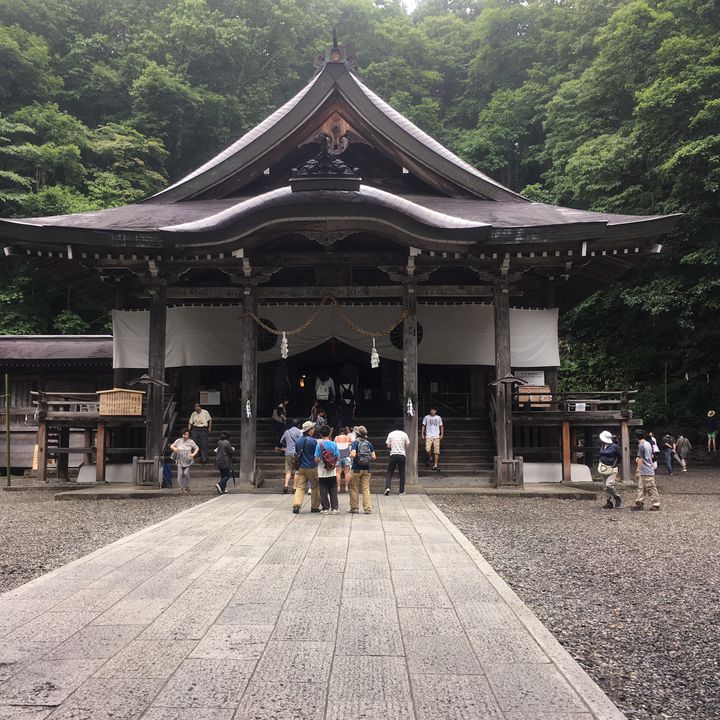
pixel 633 596
pixel 39 534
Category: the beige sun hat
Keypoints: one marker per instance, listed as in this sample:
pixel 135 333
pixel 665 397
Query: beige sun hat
pixel 307 425
pixel 361 430
pixel 711 413
pixel 606 437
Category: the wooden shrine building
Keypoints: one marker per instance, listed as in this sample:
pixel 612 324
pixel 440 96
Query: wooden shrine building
pixel 336 217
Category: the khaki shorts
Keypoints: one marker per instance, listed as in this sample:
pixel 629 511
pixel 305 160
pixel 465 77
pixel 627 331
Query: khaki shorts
pixel 432 445
pixel 289 461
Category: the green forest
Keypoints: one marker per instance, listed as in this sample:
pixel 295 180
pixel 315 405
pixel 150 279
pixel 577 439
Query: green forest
pixel 609 105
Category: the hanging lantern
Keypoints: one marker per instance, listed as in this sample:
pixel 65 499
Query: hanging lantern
pixel 410 410
pixel 374 357
pixel 284 347
pixel 248 409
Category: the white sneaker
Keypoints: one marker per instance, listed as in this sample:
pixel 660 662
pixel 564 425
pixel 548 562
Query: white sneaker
pixel 324 512
pixel 387 491
pixel 334 512
pixel 402 493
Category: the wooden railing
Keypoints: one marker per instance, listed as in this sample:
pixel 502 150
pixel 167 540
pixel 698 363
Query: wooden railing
pixel 59 405
pixel 618 401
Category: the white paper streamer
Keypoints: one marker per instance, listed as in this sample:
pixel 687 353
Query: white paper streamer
pixel 284 347
pixel 410 409
pixel 374 357
pixel 248 409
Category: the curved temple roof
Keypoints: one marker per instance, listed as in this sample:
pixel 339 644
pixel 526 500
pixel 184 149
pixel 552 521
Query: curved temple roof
pixel 414 145
pixel 446 204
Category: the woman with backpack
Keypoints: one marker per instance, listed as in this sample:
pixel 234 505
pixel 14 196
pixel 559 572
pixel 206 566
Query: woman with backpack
pixel 362 453
pixel 327 456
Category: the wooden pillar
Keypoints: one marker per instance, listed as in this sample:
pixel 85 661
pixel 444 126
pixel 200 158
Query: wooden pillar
pixel 410 379
pixel 566 450
pixel 63 458
pixel 248 427
pixel 156 370
pixel 100 453
pixel 503 396
pixel 42 440
pixel 88 442
pixel 625 447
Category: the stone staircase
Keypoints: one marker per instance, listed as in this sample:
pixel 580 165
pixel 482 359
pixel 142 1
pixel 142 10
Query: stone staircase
pixel 466 459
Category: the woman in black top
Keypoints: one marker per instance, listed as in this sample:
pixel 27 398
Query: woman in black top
pixel 224 462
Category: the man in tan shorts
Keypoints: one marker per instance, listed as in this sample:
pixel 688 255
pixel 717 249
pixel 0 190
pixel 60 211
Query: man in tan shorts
pixel 433 431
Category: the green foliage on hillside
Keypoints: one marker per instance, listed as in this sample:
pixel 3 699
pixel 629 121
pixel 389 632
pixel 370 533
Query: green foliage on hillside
pixel 602 104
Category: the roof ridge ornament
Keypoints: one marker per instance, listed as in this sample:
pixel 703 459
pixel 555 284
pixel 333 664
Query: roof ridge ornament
pixel 325 172
pixel 336 54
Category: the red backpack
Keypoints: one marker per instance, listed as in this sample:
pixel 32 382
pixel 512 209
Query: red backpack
pixel 327 456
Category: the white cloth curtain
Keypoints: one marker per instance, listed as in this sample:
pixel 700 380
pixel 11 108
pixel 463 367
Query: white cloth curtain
pixel 452 334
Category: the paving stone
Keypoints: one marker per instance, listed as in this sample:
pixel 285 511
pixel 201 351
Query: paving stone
pixel 261 591
pixel 147 659
pixel 250 614
pixel 370 587
pixel 370 710
pixel 301 661
pixel 205 596
pixel 114 556
pixel 399 529
pixel 306 624
pixel 369 678
pixel 12 617
pixel 359 636
pixel 328 546
pixel 506 645
pixel 327 565
pixel 363 609
pixel 419 589
pixel 132 612
pixel 188 714
pixel 549 716
pixel 285 699
pixel 17 655
pixel 469 588
pixel 285 554
pixel 108 699
pixel 455 697
pixel 409 560
pixel 179 623
pixel 441 655
pixel 100 595
pixel 15 712
pixel 429 622
pixel 476 616
pixel 215 683
pixel 233 642
pixel 51 627
pixel 532 689
pixel 366 568
pixel 46 682
pixel 96 641
pixel 243 550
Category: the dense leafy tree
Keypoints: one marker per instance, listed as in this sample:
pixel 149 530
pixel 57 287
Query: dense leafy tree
pixel 610 105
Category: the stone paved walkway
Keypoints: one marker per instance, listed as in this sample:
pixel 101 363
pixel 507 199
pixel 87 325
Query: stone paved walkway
pixel 238 609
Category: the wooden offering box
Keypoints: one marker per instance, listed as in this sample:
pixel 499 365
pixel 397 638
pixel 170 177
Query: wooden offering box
pixel 119 401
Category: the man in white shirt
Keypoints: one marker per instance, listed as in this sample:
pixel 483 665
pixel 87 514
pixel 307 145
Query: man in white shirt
pixel 433 431
pixel 398 443
pixel 199 425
